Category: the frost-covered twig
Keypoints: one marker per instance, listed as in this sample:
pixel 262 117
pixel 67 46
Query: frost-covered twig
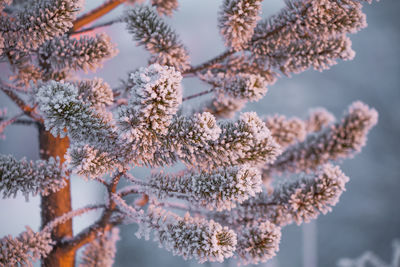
pixel 31 177
pixel 102 250
pixel 26 248
pixel 217 190
pixel 237 20
pixel 157 37
pixel 340 140
pixel 297 201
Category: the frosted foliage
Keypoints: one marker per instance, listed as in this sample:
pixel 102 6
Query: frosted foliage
pixel 245 86
pixel 24 249
pixel 155 98
pixel 96 93
pixel 165 7
pixel 189 134
pixel 246 141
pixel 86 53
pixel 237 20
pixel 39 22
pixel 298 201
pixel 304 199
pixel 223 106
pixel 226 167
pixel 190 237
pixel 258 243
pixel 157 37
pixel 338 141
pixel 318 119
pixel 101 251
pixel 62 109
pixel 307 20
pixel 91 162
pixel 217 190
pixel 30 177
pixel 286 131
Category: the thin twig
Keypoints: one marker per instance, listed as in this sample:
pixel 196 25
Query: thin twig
pixel 71 214
pixel 9 91
pixel 105 24
pixel 208 64
pixel 102 225
pixel 96 13
pixel 198 94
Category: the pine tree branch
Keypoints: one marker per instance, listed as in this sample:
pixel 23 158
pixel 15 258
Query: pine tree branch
pixel 28 110
pixel 198 94
pixel 103 224
pixel 96 13
pixel 100 25
pixel 208 64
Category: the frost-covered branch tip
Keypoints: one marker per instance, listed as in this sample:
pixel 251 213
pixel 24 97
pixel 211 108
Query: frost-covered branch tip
pixel 189 237
pixel 30 177
pixel 258 242
pixel 307 20
pixel 96 93
pixel 287 131
pixel 217 190
pixel 66 54
pixel 26 248
pixel 157 37
pixel 101 251
pixel 340 140
pixel 165 7
pixel 237 20
pixel 247 140
pixel 63 109
pixel 299 201
pixel 39 22
pixel 246 86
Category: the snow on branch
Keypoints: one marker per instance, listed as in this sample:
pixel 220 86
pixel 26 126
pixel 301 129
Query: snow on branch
pixel 93 136
pixel 96 93
pixel 158 38
pixel 62 109
pixel 66 54
pixel 189 237
pixel 246 86
pixel 165 7
pixel 26 248
pixel 217 190
pixel 318 118
pixel 300 201
pixel 247 140
pixel 305 20
pixel 30 177
pixel 237 20
pixel 338 141
pixel 288 131
pixel 155 98
pixel 39 22
pixel 257 242
pixel 101 251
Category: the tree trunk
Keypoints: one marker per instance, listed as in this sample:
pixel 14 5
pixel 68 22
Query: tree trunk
pixel 56 204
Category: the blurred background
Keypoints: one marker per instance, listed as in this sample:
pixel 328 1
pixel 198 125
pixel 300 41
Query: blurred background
pixel 368 214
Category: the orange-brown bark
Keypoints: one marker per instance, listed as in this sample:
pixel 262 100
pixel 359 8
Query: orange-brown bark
pixel 56 204
pixel 96 13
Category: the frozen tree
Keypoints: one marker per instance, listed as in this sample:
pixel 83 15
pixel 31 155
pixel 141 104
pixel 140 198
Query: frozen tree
pixel 222 202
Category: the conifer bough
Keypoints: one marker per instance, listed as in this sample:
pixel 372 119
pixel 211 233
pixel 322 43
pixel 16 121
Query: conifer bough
pixel 101 133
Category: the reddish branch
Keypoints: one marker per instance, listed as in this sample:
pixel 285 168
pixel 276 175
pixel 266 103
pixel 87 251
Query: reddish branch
pixel 96 13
